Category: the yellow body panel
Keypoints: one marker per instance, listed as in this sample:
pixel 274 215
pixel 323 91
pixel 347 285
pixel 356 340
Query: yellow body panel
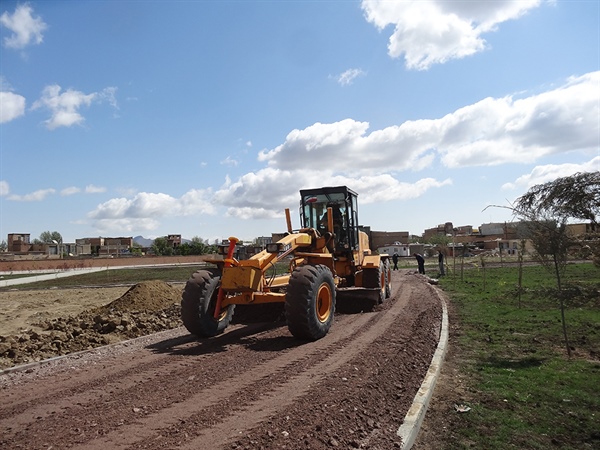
pixel 241 278
pixel 254 298
pixel 371 262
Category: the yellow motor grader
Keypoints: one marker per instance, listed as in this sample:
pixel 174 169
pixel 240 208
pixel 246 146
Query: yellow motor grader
pixel 329 260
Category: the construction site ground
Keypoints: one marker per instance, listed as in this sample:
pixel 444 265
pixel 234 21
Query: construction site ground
pixel 154 386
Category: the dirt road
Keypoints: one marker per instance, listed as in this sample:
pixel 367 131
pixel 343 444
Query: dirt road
pixel 253 387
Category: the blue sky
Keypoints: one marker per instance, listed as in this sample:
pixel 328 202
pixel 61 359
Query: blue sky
pixel 205 118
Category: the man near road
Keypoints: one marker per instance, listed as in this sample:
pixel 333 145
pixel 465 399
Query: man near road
pixel 420 262
pixel 395 259
pixel 441 263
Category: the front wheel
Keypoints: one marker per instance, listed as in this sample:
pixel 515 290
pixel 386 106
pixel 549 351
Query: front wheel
pixel 310 302
pixel 198 304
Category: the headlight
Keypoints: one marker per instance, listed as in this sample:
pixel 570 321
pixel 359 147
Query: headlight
pixel 274 247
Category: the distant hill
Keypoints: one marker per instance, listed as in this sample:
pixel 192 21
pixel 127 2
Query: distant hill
pixel 141 240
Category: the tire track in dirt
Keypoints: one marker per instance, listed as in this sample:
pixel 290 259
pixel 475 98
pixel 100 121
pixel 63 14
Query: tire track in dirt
pixel 169 367
pixel 108 378
pixel 185 394
pixel 227 391
pixel 285 394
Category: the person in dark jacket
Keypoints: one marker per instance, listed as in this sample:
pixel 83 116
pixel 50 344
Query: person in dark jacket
pixel 395 259
pixel 441 263
pixel 421 263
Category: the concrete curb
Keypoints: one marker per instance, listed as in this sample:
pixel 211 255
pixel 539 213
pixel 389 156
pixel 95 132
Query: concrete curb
pixel 48 276
pixel 411 425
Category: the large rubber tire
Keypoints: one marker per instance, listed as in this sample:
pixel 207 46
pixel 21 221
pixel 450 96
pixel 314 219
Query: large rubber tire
pixel 310 302
pixel 375 278
pixel 198 304
pixel 388 278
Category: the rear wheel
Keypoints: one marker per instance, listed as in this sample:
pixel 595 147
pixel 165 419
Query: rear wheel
pixel 375 278
pixel 198 304
pixel 310 302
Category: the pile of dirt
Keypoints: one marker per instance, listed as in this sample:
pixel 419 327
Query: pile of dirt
pixel 146 308
pixel 147 296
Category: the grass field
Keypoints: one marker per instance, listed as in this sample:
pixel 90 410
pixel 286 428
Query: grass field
pixel 170 274
pixel 526 392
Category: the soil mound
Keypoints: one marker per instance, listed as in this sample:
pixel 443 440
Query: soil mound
pixel 146 308
pixel 146 296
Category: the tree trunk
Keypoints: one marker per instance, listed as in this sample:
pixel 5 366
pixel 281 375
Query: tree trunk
pixel 562 305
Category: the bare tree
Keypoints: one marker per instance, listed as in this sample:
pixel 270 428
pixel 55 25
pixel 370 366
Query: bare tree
pixel 546 209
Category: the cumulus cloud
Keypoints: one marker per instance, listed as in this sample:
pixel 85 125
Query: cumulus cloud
pixel 497 131
pixel 11 106
pixel 431 32
pixel 36 196
pixel 550 172
pixel 64 106
pixel 490 132
pixel 266 193
pixel 147 208
pixel 26 29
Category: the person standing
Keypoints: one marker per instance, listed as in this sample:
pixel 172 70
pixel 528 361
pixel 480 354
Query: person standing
pixel 420 263
pixel 395 259
pixel 441 263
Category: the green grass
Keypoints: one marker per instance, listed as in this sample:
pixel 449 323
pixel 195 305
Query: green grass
pixel 525 392
pixel 171 274
pixel 117 276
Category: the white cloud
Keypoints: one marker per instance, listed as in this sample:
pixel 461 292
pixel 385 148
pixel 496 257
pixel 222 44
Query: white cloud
pixel 70 191
pixel 346 78
pixel 4 188
pixel 36 196
pixel 229 161
pixel 11 106
pixel 64 107
pixel 550 172
pixel 489 132
pixel 26 28
pixel 91 189
pixel 148 207
pixel 497 131
pixel 267 192
pixel 431 32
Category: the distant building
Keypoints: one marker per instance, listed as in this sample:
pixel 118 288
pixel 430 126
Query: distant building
pixel 396 248
pixel 173 240
pixel 18 242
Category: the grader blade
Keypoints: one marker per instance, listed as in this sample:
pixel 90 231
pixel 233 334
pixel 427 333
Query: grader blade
pixel 353 300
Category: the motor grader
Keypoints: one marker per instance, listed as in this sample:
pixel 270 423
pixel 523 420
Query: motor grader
pixel 329 261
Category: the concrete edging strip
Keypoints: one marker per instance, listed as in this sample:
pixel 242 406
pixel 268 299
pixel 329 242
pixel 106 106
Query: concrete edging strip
pixel 411 425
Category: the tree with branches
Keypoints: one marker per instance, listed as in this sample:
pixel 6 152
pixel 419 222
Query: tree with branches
pixel 49 237
pixel 546 209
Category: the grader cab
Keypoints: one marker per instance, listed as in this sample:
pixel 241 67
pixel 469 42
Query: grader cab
pixel 329 262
